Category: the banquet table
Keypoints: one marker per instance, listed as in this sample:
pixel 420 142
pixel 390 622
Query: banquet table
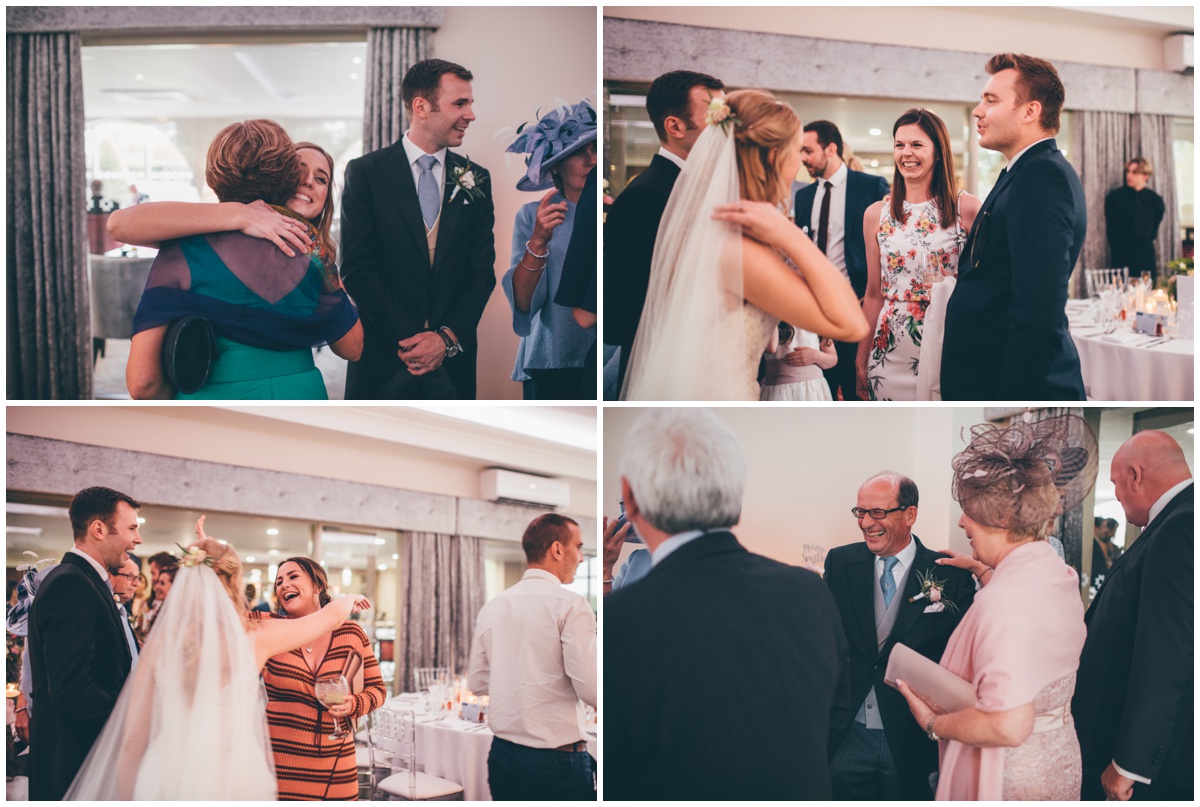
pixel 454 749
pixel 1128 366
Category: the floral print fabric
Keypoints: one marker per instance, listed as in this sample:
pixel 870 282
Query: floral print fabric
pixel 896 348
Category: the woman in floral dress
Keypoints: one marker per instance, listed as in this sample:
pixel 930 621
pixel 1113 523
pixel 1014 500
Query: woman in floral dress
pixel 922 222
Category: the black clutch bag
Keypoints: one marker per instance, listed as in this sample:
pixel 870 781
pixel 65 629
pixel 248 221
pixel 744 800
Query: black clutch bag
pixel 189 350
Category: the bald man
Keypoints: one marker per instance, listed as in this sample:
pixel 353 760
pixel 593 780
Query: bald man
pixel 1133 701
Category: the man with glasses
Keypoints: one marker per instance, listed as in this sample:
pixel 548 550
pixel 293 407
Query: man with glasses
pixel 885 755
pixel 124 586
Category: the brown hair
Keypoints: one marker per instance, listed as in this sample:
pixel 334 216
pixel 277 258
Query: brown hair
pixel 325 220
pixel 92 504
pixel 765 128
pixel 941 186
pixel 315 572
pixel 541 534
pixel 228 566
pixel 253 160
pixel 424 78
pixel 670 96
pixel 1143 165
pixel 1037 80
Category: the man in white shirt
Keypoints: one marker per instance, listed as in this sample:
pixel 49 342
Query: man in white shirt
pixel 1134 702
pixel 124 584
pixel 418 252
pixel 534 654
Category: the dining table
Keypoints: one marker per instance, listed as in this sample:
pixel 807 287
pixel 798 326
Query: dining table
pixel 1120 364
pixel 452 748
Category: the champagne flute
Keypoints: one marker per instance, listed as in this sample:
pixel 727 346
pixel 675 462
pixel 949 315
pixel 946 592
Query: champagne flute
pixel 331 692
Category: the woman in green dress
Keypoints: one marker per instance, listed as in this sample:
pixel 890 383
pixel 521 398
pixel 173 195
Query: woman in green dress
pixel 264 275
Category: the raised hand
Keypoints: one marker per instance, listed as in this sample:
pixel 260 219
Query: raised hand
pixel 614 539
pixel 361 603
pixel 547 219
pixel 761 221
pixel 261 220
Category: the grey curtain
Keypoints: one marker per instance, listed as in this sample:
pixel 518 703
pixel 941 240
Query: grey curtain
pixel 1153 138
pixel 443 587
pixel 390 52
pixel 49 338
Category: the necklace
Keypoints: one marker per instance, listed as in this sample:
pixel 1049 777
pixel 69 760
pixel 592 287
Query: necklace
pixel 308 649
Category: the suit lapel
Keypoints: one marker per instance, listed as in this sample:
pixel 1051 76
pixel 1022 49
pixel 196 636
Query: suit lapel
pixel 102 590
pixel 910 612
pixel 450 212
pixel 398 175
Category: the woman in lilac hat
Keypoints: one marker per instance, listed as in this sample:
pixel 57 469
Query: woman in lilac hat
pixel 561 149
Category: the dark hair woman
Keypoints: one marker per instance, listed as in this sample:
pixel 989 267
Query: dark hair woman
pixel 268 309
pixel 913 237
pixel 308 765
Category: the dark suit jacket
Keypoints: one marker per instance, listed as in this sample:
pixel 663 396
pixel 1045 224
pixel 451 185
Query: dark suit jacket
pixel 862 191
pixel 630 231
pixel 79 659
pixel 1134 696
pixel 385 267
pixel 724 671
pixel 1006 324
pixel 850 573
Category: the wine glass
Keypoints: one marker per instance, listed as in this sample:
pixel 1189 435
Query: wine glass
pixel 931 269
pixel 332 691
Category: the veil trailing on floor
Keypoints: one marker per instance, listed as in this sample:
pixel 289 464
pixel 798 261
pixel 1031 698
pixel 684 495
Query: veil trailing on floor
pixel 691 341
pixel 190 722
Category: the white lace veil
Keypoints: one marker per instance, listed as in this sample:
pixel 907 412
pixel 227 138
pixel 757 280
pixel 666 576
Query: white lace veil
pixel 691 341
pixel 190 722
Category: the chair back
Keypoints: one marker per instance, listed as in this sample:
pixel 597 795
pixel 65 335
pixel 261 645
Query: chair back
pixel 1097 279
pixel 393 743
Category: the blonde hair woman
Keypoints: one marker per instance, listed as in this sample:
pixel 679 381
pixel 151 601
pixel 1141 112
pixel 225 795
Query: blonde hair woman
pixel 728 265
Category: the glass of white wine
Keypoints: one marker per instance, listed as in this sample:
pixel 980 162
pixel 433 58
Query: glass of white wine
pixel 331 692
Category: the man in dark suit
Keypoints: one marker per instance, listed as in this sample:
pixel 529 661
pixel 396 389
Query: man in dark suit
pixel 831 210
pixel 1134 703
pixel 725 670
pixel 885 755
pixel 418 256
pixel 676 104
pixel 1006 333
pixel 79 656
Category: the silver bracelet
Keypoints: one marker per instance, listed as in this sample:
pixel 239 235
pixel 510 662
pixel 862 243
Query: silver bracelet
pixel 529 269
pixel 535 255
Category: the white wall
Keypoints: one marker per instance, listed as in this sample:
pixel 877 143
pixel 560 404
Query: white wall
pixel 522 58
pixel 805 466
pixel 1053 34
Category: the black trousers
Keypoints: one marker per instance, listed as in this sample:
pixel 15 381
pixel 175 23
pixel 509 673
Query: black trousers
pixel 520 773
pixel 842 374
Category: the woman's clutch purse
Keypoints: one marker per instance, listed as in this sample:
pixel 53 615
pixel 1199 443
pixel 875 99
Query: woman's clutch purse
pixel 928 679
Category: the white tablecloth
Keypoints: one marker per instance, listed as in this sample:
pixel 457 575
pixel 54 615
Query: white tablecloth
pixel 1121 366
pixel 454 749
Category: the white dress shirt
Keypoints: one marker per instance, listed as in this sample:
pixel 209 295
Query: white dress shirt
pixel 1017 156
pixel 414 152
pixel 673 157
pixel 835 243
pixel 95 564
pixel 534 655
pixel 671 544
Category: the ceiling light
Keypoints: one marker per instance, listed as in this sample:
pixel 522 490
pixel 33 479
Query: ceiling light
pixel 15 508
pixel 876 132
pixel 383 567
pixel 395 557
pixel 141 521
pixel 23 530
pixel 357 60
pixel 272 531
pixel 380 542
pixel 249 558
pixel 272 552
pixel 346 577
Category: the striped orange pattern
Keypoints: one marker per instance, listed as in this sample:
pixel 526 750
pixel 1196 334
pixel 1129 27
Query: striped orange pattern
pixel 308 765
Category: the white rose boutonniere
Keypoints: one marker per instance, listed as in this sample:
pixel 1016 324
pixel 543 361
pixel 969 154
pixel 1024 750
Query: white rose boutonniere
pixel 464 179
pixel 934 591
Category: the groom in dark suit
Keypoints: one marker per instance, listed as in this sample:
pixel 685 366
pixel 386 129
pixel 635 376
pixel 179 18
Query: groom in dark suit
pixel 418 256
pixel 885 755
pixel 832 210
pixel 1006 333
pixel 1134 703
pixel 726 669
pixel 79 656
pixel 676 103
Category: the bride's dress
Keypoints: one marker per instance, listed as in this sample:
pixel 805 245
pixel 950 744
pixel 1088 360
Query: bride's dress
pixel 190 722
pixel 697 339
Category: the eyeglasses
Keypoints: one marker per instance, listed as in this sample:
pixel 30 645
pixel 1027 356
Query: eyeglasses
pixel 876 513
pixel 129 576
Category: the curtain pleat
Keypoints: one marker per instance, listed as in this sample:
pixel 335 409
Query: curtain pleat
pixel 1069 526
pixel 443 580
pixel 1153 138
pixel 390 52
pixel 49 335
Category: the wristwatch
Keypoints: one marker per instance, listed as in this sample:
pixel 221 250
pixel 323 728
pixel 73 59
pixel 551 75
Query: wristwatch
pixel 452 348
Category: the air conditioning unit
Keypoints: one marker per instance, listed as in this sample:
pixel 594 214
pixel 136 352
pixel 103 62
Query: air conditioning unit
pixel 499 485
pixel 1179 53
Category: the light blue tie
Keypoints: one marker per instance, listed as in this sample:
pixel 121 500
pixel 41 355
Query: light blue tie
pixel 887 582
pixel 133 648
pixel 427 191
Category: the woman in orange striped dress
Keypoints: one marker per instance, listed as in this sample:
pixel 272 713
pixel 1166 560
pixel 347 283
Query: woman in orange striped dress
pixel 309 765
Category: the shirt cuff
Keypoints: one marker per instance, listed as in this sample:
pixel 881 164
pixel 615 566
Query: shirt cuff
pixel 1129 775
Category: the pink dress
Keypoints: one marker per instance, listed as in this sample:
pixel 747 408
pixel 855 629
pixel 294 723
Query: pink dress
pixel 1020 643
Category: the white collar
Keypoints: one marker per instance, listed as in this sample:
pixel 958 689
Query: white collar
pixel 838 179
pixel 100 570
pixel 673 157
pixel 1165 499
pixel 904 558
pixel 1017 156
pixel 415 152
pixel 541 574
pixel 671 544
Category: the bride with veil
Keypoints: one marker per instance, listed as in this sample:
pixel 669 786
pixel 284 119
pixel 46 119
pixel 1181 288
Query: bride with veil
pixel 190 722
pixel 728 265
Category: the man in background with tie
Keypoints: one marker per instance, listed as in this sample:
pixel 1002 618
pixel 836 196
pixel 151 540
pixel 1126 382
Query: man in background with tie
pixel 418 255
pixel 885 755
pixel 831 210
pixel 124 584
